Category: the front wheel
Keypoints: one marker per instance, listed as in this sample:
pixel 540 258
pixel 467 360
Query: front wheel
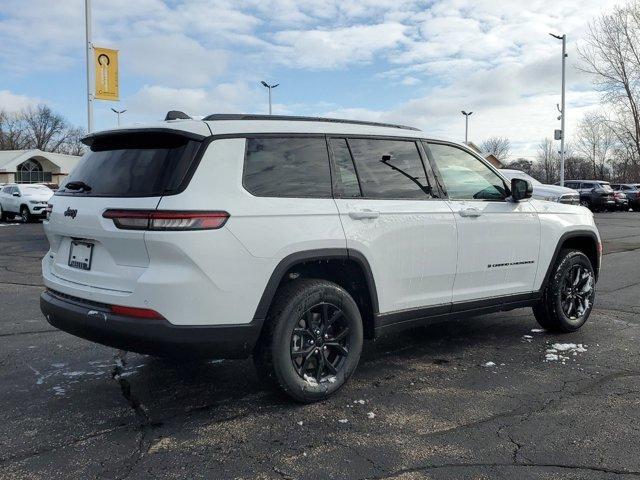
pixel 568 298
pixel 312 341
pixel 25 214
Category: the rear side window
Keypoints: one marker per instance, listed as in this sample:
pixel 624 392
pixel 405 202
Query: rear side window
pixel 134 165
pixel 390 169
pixel 287 167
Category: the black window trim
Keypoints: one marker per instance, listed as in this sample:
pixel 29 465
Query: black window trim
pixel 246 136
pixel 473 154
pixel 336 180
pixel 437 193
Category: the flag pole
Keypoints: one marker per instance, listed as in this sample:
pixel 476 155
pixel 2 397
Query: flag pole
pixel 89 50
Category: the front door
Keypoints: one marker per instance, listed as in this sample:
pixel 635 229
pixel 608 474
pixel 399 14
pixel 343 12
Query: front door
pixel 392 216
pixel 498 239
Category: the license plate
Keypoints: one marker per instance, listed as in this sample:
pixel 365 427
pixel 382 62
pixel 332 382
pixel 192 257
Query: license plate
pixel 80 255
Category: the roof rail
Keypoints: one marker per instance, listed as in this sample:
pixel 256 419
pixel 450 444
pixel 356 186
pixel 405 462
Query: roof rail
pixel 242 116
pixel 176 115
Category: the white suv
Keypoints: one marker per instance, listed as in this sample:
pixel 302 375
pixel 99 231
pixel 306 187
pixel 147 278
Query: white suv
pixel 29 201
pixel 294 238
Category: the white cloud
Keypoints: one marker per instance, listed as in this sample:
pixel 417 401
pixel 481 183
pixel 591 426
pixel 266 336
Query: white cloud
pixel 10 102
pixel 173 60
pixel 336 48
pixel 152 102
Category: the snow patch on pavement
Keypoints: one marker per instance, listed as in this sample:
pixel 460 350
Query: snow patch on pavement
pixel 561 352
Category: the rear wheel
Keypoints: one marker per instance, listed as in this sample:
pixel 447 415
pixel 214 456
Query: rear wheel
pixel 312 341
pixel 25 214
pixel 569 295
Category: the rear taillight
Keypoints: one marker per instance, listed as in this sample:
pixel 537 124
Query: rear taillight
pixel 166 220
pixel 48 209
pixel 135 312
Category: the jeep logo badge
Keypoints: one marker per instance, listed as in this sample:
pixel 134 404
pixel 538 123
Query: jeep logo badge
pixel 69 212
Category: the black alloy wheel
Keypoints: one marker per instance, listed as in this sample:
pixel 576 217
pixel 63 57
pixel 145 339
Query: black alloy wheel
pixel 320 342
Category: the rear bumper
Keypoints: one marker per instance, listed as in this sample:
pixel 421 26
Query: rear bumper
pixel 95 322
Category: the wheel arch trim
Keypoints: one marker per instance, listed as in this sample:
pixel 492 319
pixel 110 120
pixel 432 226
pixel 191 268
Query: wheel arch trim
pixel 589 234
pixel 308 256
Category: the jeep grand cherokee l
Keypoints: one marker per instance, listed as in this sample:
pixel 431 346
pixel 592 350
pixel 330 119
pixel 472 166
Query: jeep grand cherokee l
pixel 293 239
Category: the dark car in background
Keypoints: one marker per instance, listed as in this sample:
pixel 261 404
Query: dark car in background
pixel 632 191
pixel 596 195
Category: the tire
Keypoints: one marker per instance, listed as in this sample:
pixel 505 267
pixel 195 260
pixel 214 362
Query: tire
pixel 320 311
pixel 3 215
pixel 25 214
pixel 566 305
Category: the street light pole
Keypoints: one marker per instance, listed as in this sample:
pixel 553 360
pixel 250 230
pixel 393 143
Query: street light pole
pixel 89 48
pixel 269 87
pixel 562 107
pixel 466 125
pixel 118 112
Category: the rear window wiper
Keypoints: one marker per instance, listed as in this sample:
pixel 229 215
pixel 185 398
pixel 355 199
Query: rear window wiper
pixel 77 185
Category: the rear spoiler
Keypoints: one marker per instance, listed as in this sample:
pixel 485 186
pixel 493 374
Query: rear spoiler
pixel 89 139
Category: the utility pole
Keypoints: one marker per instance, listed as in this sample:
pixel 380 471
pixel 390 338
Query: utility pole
pixel 561 108
pixel 466 125
pixel 270 87
pixel 118 113
pixel 89 49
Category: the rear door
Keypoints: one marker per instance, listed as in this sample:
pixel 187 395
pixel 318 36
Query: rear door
pixel 391 212
pixel 128 171
pixel 498 240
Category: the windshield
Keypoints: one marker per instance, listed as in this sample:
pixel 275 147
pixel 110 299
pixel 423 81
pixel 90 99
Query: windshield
pixel 511 174
pixel 133 165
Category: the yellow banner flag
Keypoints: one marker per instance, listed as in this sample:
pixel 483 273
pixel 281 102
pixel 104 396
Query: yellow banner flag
pixel 106 63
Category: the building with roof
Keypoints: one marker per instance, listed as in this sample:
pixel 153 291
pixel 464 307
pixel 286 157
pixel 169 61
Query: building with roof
pixel 35 166
pixel 489 157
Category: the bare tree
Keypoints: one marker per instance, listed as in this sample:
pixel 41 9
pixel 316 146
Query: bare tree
pixel 548 161
pixel 12 133
pixel 612 55
pixel 595 142
pixel 40 128
pixel 498 146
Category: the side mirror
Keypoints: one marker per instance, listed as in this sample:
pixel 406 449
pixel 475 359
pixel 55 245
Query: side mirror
pixel 16 194
pixel 521 189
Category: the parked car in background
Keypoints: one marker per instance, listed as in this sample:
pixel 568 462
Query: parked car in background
pixel 596 195
pixel 622 203
pixel 632 191
pixel 29 201
pixel 551 193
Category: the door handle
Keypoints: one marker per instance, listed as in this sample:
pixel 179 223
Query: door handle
pixel 470 212
pixel 364 214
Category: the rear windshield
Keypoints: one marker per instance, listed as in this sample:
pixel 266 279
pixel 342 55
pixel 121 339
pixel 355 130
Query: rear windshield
pixel 133 165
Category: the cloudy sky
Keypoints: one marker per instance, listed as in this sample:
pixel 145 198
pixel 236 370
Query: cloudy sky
pixel 412 62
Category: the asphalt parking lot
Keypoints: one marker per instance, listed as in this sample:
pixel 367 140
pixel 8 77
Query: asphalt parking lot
pixel 489 397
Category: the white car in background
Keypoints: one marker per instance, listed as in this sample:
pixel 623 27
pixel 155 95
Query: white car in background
pixel 551 193
pixel 29 201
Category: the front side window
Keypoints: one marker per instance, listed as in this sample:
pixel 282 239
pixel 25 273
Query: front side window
pixel 287 167
pixel 465 177
pixel 390 169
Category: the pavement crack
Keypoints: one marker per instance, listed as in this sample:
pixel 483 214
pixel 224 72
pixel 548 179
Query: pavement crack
pixel 577 467
pixel 32 332
pixel 125 387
